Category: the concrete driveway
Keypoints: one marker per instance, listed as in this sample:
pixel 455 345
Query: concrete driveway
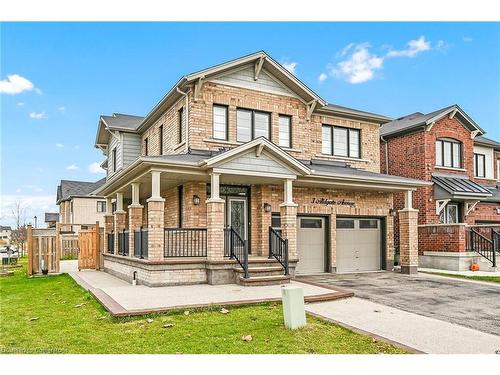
pixel 470 304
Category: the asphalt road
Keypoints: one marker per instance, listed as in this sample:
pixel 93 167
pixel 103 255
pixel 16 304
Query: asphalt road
pixel 473 305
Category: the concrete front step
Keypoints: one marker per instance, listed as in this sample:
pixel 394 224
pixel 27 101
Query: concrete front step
pixel 263 280
pixel 260 271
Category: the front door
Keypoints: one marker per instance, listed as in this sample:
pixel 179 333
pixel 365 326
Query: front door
pixel 237 216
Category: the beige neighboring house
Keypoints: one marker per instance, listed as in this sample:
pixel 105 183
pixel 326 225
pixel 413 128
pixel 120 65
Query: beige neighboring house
pixel 241 173
pixel 51 218
pixel 5 235
pixel 78 205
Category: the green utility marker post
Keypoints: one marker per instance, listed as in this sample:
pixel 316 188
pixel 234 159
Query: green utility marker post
pixel 294 312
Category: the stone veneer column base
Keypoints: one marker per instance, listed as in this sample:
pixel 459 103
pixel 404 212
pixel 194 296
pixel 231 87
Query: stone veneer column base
pixel 288 213
pixel 156 231
pixel 215 229
pixel 134 223
pixel 120 224
pixel 108 227
pixel 408 240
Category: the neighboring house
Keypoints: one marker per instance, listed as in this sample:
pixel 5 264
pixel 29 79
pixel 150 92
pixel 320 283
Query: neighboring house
pixel 5 235
pixel 51 218
pixel 79 205
pixel 445 147
pixel 237 163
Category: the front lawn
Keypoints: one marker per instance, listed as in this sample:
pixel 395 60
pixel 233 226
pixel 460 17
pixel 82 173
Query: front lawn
pixel 493 279
pixel 54 315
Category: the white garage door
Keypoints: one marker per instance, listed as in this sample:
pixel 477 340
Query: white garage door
pixel 358 245
pixel 310 245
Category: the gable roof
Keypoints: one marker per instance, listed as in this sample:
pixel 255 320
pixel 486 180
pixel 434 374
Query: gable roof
pixel 355 113
pixel 68 189
pixel 483 141
pixel 51 216
pixel 417 120
pixel 117 121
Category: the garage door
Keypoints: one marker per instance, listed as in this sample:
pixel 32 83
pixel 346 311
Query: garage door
pixel 358 245
pixel 310 245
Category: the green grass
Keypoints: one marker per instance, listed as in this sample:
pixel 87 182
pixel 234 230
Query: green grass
pixel 63 328
pixel 493 279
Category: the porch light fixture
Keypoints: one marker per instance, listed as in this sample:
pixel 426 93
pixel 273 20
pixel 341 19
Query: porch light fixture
pixel 498 211
pixel 267 207
pixel 392 212
pixel 196 200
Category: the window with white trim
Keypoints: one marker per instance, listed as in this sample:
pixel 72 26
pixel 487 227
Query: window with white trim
pixel 285 131
pixel 339 141
pixel 480 165
pixel 449 215
pixel 219 130
pixel 101 206
pixel 252 124
pixel 448 153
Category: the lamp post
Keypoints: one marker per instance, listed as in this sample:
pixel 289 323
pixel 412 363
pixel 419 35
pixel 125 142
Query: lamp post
pixel 35 222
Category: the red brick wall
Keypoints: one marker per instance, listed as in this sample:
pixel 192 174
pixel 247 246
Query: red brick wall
pixel 442 238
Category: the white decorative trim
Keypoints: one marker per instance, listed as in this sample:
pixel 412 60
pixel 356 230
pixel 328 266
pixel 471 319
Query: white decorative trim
pixel 450 168
pixel 342 158
pixel 469 206
pixel 258 67
pixel 440 205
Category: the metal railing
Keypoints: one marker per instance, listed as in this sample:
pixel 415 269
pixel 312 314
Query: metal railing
pixel 141 243
pixel 278 248
pixel 482 245
pixel 185 242
pixel 123 243
pixel 237 248
pixel 111 242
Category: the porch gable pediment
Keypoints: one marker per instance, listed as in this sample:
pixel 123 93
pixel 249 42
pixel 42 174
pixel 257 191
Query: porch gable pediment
pixel 259 156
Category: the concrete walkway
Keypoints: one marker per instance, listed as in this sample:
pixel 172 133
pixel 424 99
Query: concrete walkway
pixel 424 334
pixel 121 298
pixel 462 273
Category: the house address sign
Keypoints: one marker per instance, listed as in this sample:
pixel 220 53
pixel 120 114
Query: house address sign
pixel 333 202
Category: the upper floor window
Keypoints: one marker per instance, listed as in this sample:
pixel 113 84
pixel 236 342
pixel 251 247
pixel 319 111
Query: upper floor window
pixel 146 147
pixel 101 206
pixel 220 122
pixel 182 125
pixel 160 140
pixel 480 165
pixel 252 124
pixel 448 153
pixel 498 169
pixel 285 131
pixel 339 141
pixel 113 159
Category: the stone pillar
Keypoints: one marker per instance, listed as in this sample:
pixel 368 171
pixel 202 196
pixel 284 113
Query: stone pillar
pixel 134 217
pixel 108 227
pixel 408 240
pixel 288 213
pixel 156 220
pixel 215 222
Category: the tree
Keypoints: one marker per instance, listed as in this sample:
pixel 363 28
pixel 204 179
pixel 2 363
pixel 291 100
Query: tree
pixel 18 236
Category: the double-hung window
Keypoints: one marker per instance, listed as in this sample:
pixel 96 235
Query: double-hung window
pixel 220 122
pixel 113 156
pixel 160 140
pixel 448 153
pixel 181 125
pixel 480 165
pixel 285 131
pixel 252 124
pixel 146 147
pixel 340 141
pixel 101 206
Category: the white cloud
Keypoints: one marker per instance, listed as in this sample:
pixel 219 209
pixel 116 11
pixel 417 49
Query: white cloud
pixel 467 39
pixel 322 77
pixel 38 115
pixel 61 109
pixel 20 104
pixel 59 145
pixel 95 167
pixel 72 167
pixel 360 66
pixel 413 48
pixel 290 66
pixel 33 204
pixel 15 84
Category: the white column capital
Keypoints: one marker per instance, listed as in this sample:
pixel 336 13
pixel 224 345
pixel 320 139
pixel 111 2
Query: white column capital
pixel 288 193
pixel 119 203
pixel 155 187
pixel 214 188
pixel 135 195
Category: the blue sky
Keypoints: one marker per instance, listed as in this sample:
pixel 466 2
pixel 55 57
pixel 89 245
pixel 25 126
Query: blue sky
pixel 57 78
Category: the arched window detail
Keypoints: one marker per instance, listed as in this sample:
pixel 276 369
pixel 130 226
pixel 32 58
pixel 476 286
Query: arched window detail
pixel 448 153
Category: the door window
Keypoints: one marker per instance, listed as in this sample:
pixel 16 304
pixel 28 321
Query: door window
pixel 238 216
pixel 449 215
pixel 311 223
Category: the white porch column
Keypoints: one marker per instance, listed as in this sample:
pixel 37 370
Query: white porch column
pixel 109 206
pixel 288 192
pixel 119 202
pixel 156 219
pixel 134 219
pixel 155 185
pixel 408 199
pixel 120 219
pixel 214 187
pixel 135 194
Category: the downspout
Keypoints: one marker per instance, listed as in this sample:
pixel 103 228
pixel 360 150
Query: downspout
pixel 386 155
pixel 187 115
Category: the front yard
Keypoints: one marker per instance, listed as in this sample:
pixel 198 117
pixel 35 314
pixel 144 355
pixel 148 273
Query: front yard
pixel 54 315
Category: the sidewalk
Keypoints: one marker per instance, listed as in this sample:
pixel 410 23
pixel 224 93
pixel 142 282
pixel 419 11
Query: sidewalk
pixel 463 273
pixel 412 330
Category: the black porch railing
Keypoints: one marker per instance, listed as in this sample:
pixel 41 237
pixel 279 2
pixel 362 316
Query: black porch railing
pixel 482 245
pixel 123 243
pixel 111 242
pixel 185 242
pixel 236 248
pixel 278 248
pixel 141 243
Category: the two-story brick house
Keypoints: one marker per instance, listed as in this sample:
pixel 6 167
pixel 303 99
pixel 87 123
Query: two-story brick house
pixel 445 147
pixel 241 173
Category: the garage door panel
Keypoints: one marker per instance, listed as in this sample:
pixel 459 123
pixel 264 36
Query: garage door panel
pixel 358 246
pixel 310 245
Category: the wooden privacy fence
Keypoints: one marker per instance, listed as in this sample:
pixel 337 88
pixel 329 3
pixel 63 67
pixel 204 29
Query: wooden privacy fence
pixel 44 251
pixel 69 246
pixel 90 243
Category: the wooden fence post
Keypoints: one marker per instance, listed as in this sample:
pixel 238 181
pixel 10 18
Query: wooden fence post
pixel 58 247
pixel 29 239
pixel 97 246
